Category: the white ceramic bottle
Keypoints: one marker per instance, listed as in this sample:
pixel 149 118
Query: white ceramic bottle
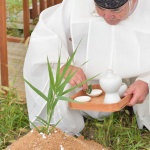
pixel 122 89
pixel 110 84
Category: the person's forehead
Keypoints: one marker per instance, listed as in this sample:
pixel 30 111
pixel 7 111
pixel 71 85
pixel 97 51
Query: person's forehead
pixel 110 4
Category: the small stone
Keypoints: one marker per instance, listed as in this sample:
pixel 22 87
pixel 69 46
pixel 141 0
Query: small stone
pixel 43 135
pixel 31 131
pixel 61 147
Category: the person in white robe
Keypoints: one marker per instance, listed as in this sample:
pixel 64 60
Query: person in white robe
pixel 115 34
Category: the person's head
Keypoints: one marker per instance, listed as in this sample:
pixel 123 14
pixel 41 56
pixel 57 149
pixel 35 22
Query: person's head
pixel 114 11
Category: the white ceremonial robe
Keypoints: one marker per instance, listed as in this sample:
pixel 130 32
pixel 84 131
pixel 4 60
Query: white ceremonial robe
pixel 125 48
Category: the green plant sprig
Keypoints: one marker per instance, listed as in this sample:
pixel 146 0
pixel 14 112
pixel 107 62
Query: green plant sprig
pixel 56 90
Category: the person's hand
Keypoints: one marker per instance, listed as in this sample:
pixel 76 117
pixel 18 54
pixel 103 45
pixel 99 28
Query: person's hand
pixel 139 89
pixel 77 78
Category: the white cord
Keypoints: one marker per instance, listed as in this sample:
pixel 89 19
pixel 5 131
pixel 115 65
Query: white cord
pixel 132 8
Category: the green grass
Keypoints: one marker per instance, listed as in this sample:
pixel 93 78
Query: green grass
pixel 118 132
pixel 13 117
pixel 13 8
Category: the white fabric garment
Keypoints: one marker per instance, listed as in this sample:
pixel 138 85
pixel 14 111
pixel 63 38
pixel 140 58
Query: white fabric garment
pixel 125 48
pixel 104 40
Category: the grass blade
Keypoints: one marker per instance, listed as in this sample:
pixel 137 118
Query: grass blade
pixel 65 98
pixel 51 77
pixel 67 79
pixel 67 65
pixel 35 127
pixel 36 90
pixel 54 126
pixel 58 72
pixel 42 120
pixel 74 87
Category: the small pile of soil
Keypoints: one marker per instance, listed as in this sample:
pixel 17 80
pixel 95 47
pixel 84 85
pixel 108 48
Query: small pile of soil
pixel 57 140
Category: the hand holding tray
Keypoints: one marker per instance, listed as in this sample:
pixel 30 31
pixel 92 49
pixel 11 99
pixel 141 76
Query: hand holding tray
pixel 96 103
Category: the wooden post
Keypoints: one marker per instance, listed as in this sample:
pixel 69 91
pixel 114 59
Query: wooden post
pixel 35 11
pixel 26 18
pixel 42 5
pixel 3 44
pixel 58 1
pixel 50 3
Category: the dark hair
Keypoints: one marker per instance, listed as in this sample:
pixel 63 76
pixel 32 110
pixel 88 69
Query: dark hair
pixel 110 4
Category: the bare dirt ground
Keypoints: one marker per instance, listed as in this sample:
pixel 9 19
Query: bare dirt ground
pixel 54 141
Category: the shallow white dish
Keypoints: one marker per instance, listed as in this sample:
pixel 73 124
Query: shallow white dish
pixel 95 92
pixel 82 98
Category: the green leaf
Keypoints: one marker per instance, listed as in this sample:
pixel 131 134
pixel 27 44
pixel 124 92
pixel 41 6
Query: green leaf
pixel 54 126
pixel 78 85
pixel 50 112
pixel 58 72
pixel 35 126
pixel 51 88
pixel 36 90
pixel 68 63
pixel 89 90
pixel 67 79
pixel 51 77
pixel 67 99
pixel 42 120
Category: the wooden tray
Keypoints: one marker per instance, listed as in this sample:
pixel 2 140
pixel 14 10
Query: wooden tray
pixel 96 103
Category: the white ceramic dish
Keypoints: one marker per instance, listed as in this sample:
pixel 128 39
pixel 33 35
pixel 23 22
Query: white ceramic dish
pixel 95 92
pixel 82 98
